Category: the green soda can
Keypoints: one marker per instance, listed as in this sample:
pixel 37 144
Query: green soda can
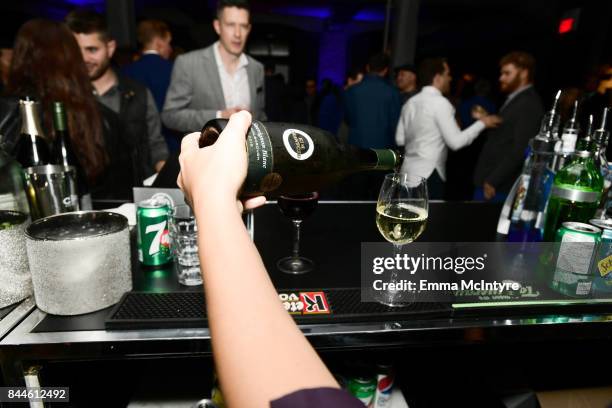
pixel 602 264
pixel 578 242
pixel 152 217
pixel 363 388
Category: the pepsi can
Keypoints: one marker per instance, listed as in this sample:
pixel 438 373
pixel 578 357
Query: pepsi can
pixel 384 386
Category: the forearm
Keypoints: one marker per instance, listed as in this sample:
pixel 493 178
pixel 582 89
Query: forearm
pixel 240 294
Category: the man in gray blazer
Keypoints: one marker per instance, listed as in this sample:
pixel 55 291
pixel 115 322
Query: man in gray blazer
pixel 219 80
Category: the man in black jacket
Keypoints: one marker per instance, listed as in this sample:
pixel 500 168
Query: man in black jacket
pixel 503 153
pixel 127 106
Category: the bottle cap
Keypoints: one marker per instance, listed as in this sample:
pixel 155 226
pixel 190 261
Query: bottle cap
pixel 59 116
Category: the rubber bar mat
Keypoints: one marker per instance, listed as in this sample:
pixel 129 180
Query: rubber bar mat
pixel 145 310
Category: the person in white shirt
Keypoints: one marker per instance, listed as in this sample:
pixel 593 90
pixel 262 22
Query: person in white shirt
pixel 427 127
pixel 219 80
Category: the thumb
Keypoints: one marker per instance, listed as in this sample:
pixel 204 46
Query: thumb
pixel 236 128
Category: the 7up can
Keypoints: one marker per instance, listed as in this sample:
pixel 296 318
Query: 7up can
pixel 153 216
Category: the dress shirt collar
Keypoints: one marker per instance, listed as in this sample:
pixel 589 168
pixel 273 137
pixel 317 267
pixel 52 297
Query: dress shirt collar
pixel 431 90
pixel 242 60
pixel 518 91
pixel 150 52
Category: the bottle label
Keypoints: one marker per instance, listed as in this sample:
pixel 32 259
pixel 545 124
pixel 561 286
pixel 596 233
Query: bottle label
pixel 299 144
pixel 519 200
pixel 261 159
pixel 576 195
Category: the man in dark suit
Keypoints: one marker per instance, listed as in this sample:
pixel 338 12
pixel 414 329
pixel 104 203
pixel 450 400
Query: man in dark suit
pixel 154 67
pixel 372 107
pixel 503 153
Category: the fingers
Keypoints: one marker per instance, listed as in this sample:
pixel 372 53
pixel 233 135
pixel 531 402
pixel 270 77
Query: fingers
pixel 179 181
pixel 237 127
pixel 190 142
pixel 254 202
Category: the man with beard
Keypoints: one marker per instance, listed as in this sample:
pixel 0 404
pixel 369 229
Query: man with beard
pixel 503 153
pixel 427 127
pixel 127 106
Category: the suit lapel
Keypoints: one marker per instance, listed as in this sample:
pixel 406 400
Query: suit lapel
pixel 516 98
pixel 250 68
pixel 212 77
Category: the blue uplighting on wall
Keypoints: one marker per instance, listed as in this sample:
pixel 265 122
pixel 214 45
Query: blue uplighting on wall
pixel 332 56
pixel 85 3
pixel 304 11
pixel 370 14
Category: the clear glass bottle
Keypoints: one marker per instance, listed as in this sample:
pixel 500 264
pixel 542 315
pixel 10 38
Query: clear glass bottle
pixel 535 180
pixel 12 193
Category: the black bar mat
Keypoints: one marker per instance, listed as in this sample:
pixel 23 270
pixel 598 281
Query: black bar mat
pixel 142 310
pixel 84 322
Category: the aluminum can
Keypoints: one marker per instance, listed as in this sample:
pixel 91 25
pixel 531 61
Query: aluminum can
pixel 363 388
pixel 602 264
pixel 152 217
pixel 578 242
pixel 384 386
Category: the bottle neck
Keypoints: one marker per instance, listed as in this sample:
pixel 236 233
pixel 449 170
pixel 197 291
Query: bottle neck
pixel 30 122
pixel 387 159
pixel 59 117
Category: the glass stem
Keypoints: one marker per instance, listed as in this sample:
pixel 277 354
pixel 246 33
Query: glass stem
pixel 297 224
pixel 397 249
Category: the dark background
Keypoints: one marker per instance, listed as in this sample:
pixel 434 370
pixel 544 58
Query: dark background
pixel 323 39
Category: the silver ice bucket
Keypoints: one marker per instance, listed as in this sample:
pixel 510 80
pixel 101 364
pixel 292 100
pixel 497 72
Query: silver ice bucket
pixel 51 189
pixel 15 282
pixel 80 262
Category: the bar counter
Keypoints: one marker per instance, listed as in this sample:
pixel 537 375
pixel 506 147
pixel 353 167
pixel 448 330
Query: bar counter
pixel 331 237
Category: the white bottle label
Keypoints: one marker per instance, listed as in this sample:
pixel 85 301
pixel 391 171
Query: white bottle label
pixel 299 144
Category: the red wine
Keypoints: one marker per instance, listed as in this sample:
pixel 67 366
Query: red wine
pixel 298 206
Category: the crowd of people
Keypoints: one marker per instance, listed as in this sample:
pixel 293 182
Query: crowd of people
pixel 126 124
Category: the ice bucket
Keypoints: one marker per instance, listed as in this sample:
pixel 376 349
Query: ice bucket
pixel 15 283
pixel 80 262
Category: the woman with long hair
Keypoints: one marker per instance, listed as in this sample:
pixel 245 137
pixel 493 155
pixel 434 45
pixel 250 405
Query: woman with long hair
pixel 47 64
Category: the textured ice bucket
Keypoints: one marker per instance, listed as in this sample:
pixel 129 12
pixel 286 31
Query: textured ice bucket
pixel 15 283
pixel 80 262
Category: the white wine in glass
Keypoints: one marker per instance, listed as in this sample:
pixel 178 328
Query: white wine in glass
pixel 400 223
pixel 401 217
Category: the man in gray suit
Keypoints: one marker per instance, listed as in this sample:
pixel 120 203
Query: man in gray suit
pixel 219 80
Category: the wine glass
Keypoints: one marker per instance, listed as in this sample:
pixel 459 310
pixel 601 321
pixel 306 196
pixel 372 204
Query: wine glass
pixel 297 207
pixel 401 217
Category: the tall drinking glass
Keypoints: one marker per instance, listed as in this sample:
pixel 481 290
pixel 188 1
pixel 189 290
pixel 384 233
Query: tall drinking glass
pixel 401 217
pixel 297 208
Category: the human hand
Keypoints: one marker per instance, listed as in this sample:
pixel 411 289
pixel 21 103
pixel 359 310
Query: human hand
pixel 488 190
pixel 491 121
pixel 207 175
pixel 478 112
pixel 226 113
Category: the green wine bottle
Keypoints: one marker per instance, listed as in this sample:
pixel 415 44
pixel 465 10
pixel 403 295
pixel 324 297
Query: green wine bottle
pixel 576 190
pixel 286 158
pixel 63 154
